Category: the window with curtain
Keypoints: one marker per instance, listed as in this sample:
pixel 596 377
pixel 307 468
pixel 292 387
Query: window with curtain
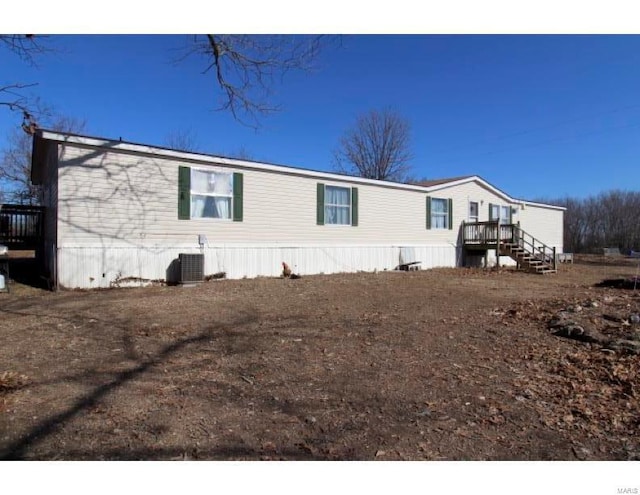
pixel 501 213
pixel 439 213
pixel 337 205
pixel 211 194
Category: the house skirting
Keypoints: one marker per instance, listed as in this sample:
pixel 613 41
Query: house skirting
pixel 116 266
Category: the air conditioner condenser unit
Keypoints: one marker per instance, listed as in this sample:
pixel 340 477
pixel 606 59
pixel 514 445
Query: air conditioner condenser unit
pixel 191 268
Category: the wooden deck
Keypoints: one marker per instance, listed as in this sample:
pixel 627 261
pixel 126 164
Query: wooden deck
pixel 510 240
pixel 21 226
pixel 486 235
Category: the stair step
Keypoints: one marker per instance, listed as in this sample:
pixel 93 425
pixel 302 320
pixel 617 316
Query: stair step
pixel 541 268
pixel 536 260
pixel 544 272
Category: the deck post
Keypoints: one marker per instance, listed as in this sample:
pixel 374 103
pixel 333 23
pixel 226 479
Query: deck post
pixel 555 260
pixel 498 244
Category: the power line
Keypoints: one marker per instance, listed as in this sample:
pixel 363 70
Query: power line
pixel 542 143
pixel 536 129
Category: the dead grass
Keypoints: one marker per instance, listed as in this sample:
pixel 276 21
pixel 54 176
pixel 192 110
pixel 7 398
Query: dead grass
pixel 440 364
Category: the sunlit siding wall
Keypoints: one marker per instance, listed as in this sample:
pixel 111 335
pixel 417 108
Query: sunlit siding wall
pixel 118 219
pixel 110 199
pixel 545 224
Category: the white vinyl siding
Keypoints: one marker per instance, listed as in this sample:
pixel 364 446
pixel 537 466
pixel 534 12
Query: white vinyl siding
pixel 117 198
pixel 110 197
pixel 545 224
pixel 118 217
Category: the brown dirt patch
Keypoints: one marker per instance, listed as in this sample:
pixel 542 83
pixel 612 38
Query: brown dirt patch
pixel 453 364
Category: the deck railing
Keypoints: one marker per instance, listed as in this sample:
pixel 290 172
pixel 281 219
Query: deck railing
pixel 487 233
pixel 492 233
pixel 20 226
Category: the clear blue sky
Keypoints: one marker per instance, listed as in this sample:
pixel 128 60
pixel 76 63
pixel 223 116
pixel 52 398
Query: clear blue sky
pixel 537 116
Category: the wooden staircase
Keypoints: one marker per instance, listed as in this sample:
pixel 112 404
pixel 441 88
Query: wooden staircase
pixel 510 240
pixel 528 260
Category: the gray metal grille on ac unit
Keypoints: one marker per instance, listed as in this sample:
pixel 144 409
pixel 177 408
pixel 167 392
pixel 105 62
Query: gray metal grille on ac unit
pixel 191 268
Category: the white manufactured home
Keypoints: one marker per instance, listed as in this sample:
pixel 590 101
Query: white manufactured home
pixel 116 212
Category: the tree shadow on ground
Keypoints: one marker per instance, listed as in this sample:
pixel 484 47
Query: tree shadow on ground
pixel 19 448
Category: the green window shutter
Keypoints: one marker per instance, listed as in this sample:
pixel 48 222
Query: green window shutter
pixel 428 212
pixel 320 204
pixel 450 212
pixel 491 212
pixel 184 193
pixel 354 206
pixel 237 196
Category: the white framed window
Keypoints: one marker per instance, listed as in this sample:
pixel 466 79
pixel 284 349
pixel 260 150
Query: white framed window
pixel 439 213
pixel 501 213
pixel 337 205
pixel 211 194
pixel 473 211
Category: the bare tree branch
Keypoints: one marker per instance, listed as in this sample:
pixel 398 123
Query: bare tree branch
pixel 377 147
pixel 246 68
pixel 27 47
pixel 15 162
pixel 13 99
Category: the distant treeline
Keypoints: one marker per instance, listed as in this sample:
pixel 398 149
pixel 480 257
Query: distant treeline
pixel 610 219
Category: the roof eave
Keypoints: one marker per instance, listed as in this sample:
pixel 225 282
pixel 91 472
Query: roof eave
pixel 251 165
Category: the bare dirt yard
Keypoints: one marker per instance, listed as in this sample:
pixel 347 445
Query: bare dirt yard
pixel 451 364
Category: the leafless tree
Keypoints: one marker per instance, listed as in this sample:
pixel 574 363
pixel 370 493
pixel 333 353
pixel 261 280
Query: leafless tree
pixel 187 141
pixel 608 219
pixel 242 153
pixel 246 68
pixel 182 140
pixel 15 162
pixel 376 147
